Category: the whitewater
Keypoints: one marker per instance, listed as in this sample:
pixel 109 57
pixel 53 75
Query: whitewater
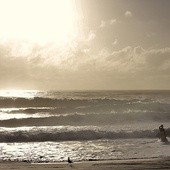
pixel 49 126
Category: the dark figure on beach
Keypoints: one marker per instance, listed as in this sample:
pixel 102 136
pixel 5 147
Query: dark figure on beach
pixel 162 134
pixel 70 161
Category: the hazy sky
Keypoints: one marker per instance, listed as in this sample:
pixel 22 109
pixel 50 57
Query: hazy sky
pixel 84 44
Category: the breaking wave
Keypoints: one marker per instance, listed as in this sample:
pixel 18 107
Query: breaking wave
pixel 72 133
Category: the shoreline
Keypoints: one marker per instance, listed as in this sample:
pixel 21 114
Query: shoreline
pixel 130 164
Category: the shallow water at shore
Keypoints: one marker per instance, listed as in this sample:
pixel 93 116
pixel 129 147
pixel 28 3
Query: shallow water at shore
pixel 84 150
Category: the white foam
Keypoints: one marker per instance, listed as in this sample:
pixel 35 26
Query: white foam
pixel 83 150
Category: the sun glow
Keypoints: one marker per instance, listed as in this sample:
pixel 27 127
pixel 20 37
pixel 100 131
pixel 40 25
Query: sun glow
pixel 37 20
pixel 18 93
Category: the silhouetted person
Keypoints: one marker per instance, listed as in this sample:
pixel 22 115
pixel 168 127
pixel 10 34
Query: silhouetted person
pixel 162 134
pixel 70 161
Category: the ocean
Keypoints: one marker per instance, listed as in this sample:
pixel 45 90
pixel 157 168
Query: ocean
pixel 50 126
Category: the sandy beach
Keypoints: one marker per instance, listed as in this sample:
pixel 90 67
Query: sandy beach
pixel 161 163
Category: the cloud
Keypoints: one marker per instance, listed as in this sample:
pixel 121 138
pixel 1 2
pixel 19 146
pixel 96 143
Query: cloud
pixel 128 14
pixel 113 21
pixel 139 61
pixel 150 35
pixel 75 67
pixel 158 58
pixel 102 24
pixel 91 36
pixel 107 23
pixel 115 42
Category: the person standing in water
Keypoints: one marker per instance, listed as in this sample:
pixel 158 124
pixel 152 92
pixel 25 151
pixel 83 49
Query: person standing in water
pixel 162 134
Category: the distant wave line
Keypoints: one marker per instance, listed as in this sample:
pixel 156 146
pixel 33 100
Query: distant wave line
pixel 77 119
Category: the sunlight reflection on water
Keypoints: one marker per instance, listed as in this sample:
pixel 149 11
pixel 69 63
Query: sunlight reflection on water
pixel 18 93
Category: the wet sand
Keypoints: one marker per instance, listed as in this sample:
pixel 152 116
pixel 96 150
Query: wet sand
pixel 136 164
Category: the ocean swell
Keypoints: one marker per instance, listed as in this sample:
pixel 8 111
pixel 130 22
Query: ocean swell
pixel 80 119
pixel 54 102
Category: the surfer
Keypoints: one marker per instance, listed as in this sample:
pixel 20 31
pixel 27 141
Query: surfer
pixel 162 134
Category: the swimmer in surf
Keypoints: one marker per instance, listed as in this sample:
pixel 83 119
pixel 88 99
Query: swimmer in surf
pixel 162 134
